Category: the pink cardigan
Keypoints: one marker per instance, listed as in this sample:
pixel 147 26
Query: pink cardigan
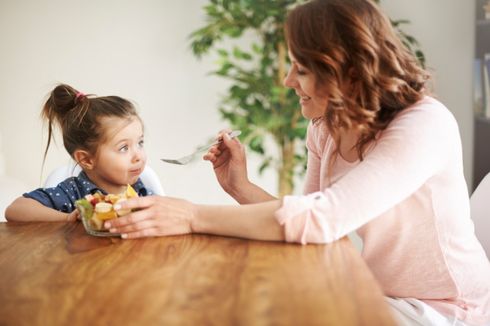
pixel 409 203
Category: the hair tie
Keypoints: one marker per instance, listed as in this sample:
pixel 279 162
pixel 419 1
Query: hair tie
pixel 79 94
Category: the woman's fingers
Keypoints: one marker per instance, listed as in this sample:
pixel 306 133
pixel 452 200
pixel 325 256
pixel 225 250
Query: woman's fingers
pixel 136 202
pixel 212 154
pixel 136 226
pixel 151 232
pixel 133 217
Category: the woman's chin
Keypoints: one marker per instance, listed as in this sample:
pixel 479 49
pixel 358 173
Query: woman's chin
pixel 310 114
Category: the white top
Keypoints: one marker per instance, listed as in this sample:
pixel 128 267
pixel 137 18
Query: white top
pixel 408 200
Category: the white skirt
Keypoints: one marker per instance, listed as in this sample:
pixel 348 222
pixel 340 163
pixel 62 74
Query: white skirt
pixel 409 311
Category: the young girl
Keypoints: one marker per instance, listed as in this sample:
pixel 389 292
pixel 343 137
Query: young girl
pixel 104 135
pixel 384 158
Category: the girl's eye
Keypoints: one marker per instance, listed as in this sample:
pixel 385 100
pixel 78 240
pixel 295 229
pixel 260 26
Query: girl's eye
pixel 141 143
pixel 124 148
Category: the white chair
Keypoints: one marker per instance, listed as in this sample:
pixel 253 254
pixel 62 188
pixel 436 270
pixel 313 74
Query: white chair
pixel 149 177
pixel 480 212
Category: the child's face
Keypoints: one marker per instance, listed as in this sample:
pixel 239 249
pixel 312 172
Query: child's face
pixel 121 158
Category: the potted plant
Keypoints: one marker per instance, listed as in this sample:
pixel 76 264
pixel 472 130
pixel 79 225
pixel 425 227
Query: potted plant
pixel 257 103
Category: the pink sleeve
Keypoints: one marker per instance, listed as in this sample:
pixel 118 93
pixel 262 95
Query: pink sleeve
pixel 312 182
pixel 415 146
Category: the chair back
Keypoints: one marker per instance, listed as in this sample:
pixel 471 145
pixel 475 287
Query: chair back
pixel 148 176
pixel 480 212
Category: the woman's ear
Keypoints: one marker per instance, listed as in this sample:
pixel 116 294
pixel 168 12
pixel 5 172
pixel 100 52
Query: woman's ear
pixel 84 159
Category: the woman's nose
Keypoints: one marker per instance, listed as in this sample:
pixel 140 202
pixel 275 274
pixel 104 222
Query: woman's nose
pixel 289 80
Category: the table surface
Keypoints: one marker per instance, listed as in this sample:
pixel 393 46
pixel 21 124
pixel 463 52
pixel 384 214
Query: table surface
pixel 56 274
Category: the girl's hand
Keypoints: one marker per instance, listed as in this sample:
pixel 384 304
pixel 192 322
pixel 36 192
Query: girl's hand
pixel 229 163
pixel 73 216
pixel 155 216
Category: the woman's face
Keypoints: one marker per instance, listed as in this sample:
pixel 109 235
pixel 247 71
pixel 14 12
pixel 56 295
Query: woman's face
pixel 313 103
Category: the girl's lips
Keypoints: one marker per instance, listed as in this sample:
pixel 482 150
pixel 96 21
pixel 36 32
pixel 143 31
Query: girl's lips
pixel 136 171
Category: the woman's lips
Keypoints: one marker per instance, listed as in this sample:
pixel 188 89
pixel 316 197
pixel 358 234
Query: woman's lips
pixel 304 99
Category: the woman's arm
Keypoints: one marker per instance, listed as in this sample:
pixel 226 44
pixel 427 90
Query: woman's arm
pixel 254 221
pixel 26 209
pixel 250 193
pixel 161 216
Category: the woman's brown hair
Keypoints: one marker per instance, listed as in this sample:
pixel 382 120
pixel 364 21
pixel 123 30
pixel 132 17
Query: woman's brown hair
pixel 78 116
pixel 351 42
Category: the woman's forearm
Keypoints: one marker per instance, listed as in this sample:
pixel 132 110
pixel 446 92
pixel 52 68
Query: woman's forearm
pixel 253 221
pixel 251 194
pixel 26 209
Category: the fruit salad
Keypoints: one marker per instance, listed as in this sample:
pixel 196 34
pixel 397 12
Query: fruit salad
pixel 97 208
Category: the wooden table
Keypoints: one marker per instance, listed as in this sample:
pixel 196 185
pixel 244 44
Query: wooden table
pixel 56 274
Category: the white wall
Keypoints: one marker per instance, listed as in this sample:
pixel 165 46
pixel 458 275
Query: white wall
pixel 140 50
pixel 135 49
pixel 445 29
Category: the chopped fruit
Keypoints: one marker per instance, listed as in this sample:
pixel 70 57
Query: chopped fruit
pixel 112 198
pixel 85 207
pixel 130 192
pixel 95 223
pixel 97 208
pixel 103 207
pixel 106 215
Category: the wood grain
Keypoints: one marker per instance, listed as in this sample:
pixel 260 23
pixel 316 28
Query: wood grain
pixel 55 274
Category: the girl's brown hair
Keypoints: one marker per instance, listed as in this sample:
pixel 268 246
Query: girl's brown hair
pixel 351 42
pixel 78 116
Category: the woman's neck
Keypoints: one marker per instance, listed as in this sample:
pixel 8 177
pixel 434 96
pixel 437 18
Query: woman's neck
pixel 348 141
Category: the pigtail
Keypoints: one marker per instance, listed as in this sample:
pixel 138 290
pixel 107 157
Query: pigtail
pixel 64 105
pixel 78 116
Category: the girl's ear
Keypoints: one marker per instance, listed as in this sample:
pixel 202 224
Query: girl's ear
pixel 84 159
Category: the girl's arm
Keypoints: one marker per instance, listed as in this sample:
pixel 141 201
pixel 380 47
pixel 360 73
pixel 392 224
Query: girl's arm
pixel 26 209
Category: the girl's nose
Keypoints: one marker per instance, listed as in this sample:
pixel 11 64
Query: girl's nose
pixel 138 154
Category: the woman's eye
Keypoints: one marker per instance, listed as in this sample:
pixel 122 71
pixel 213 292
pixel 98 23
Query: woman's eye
pixel 301 71
pixel 124 148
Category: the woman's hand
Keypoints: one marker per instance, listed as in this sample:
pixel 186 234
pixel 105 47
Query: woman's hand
pixel 155 216
pixel 229 163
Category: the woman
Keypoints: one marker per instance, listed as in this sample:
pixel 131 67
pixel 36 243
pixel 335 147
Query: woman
pixel 384 159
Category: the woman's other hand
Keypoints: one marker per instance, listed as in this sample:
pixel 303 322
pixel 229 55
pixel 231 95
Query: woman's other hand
pixel 155 216
pixel 229 163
